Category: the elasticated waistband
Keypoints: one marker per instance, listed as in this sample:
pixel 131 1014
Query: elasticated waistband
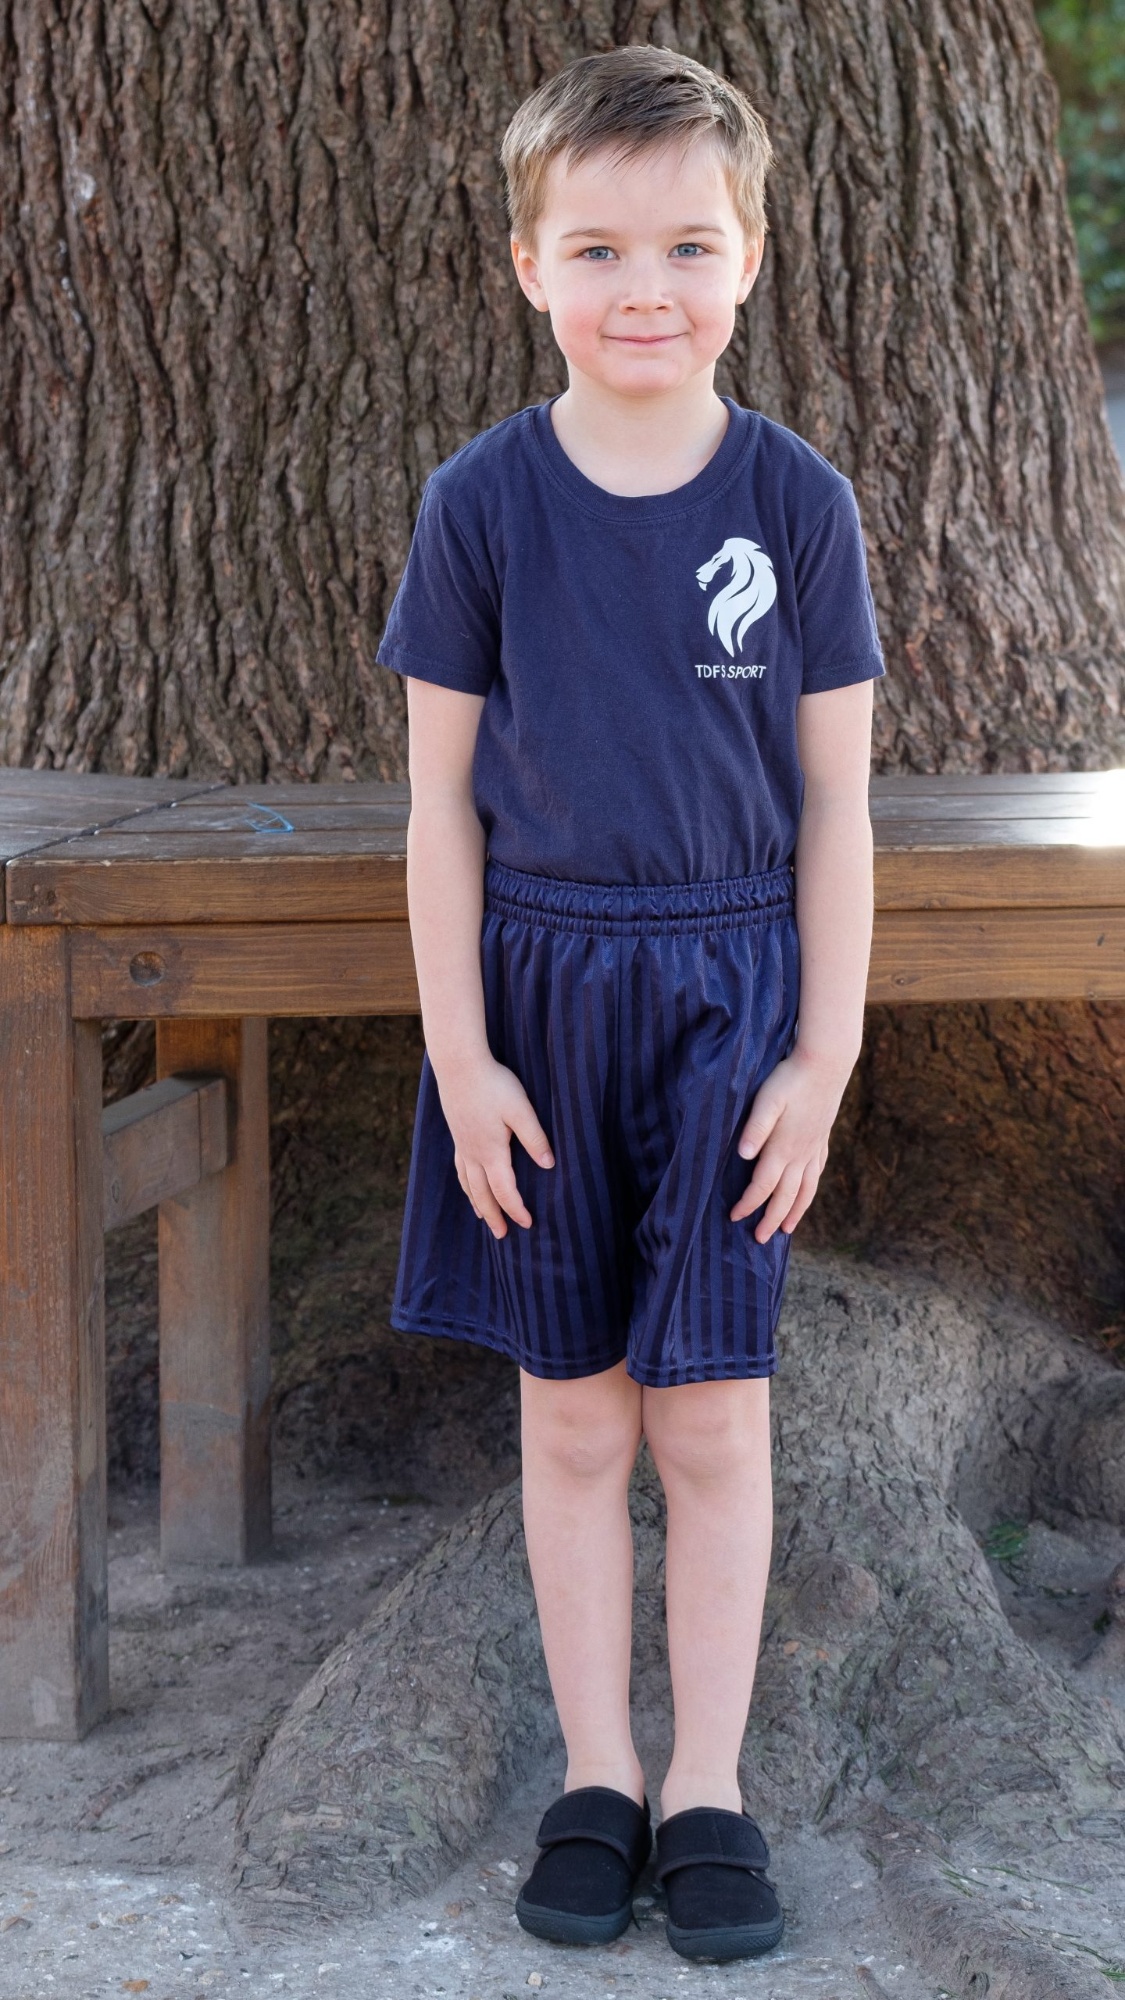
pixel 734 902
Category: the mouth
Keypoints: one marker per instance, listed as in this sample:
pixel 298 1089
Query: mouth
pixel 643 339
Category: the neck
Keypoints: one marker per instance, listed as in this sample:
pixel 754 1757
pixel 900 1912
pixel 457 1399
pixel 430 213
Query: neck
pixel 639 444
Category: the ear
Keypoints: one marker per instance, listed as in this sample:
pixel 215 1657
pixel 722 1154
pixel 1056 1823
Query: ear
pixel 752 264
pixel 527 271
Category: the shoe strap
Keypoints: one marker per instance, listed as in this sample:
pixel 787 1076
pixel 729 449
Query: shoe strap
pixel 708 1834
pixel 594 1812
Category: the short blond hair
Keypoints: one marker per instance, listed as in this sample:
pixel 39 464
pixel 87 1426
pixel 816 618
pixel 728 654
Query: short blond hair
pixel 633 100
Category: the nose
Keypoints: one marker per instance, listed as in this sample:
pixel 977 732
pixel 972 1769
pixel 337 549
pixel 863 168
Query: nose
pixel 645 289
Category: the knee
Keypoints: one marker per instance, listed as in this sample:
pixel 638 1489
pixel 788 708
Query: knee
pixel 583 1444
pixel 708 1440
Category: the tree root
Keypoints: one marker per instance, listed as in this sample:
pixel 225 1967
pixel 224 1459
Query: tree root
pixel 891 1696
pixel 972 1950
pixel 393 1759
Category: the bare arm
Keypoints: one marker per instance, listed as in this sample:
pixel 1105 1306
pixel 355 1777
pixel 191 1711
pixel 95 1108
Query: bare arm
pixel 484 1103
pixel 834 873
pixel 445 871
pixel 793 1112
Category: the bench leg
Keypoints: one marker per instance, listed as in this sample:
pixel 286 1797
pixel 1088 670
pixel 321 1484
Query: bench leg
pixel 54 1640
pixel 214 1315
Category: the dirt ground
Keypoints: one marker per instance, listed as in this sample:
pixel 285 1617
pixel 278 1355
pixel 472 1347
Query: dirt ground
pixel 116 1848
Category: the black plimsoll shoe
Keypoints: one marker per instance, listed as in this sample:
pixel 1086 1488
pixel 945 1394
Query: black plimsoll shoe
pixel 595 1843
pixel 712 1864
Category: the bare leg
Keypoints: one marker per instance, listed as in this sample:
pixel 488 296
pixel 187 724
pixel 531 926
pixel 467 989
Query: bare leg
pixel 711 1444
pixel 580 1440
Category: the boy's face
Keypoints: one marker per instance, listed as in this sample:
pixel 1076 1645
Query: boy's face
pixel 641 265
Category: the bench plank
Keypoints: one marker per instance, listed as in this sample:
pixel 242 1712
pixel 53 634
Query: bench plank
pixel 1021 822
pixel 41 809
pixel 160 1142
pixel 95 788
pixel 955 824
pixel 995 784
pixel 295 853
pixel 344 877
pixel 339 792
pixel 995 877
pixel 306 854
pixel 138 973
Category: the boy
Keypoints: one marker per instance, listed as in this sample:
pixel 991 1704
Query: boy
pixel 641 646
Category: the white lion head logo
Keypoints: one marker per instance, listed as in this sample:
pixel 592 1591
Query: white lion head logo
pixel 748 595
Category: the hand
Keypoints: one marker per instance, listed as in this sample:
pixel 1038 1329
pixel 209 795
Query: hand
pixel 484 1104
pixel 788 1127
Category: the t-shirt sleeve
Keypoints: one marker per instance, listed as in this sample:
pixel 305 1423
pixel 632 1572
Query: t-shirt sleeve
pixel 444 624
pixel 839 635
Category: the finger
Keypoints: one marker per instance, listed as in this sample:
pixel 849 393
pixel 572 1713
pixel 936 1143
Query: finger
pixel 502 1181
pixel 757 1130
pixel 484 1201
pixel 459 1168
pixel 759 1187
pixel 805 1194
pixel 533 1139
pixel 779 1204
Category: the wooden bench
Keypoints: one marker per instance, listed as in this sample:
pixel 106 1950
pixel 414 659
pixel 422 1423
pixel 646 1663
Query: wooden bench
pixel 209 908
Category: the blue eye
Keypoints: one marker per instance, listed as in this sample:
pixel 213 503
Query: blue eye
pixel 692 249
pixel 598 252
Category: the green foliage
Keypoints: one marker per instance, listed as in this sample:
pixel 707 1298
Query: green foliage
pixel 1005 1541
pixel 1085 43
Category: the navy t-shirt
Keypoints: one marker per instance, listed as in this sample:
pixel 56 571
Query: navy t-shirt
pixel 641 658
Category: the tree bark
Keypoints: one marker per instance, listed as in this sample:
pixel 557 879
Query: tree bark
pixel 255 285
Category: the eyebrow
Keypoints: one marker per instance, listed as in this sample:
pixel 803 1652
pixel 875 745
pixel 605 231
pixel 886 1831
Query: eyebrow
pixel 681 229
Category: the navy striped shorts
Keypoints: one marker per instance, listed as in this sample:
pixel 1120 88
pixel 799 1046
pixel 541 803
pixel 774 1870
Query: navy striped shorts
pixel 640 1021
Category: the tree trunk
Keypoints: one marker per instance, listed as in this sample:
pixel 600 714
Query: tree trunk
pixel 254 286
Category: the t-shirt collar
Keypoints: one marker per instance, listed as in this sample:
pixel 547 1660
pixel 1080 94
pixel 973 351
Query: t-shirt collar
pixel 735 444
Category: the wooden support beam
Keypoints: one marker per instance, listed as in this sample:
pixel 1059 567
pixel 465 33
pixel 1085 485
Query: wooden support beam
pixel 160 1142
pixel 928 875
pixel 207 970
pixel 1049 954
pixel 998 955
pixel 54 1646
pixel 214 1315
